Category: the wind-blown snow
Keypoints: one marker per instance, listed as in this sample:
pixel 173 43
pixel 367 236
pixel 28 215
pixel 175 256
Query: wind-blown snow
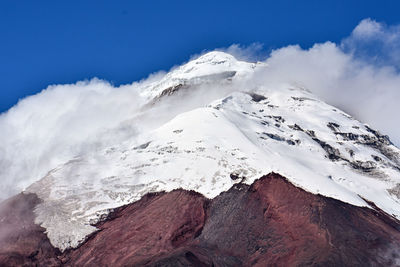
pixel 241 134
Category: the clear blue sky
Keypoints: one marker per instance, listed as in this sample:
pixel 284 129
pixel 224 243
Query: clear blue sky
pixel 52 42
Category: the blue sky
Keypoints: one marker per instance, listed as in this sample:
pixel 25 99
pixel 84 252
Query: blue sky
pixel 56 42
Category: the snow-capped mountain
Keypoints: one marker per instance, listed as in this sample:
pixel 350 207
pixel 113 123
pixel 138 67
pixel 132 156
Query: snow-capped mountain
pixel 244 131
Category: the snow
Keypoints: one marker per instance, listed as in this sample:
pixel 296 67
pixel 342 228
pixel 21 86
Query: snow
pixel 199 149
pixel 203 69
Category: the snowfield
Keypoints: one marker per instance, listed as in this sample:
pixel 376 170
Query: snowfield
pixel 242 134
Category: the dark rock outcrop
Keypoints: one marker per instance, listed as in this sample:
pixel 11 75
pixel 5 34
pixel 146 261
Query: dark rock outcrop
pixel 22 242
pixel 269 223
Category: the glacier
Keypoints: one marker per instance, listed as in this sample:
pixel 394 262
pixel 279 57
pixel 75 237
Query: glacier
pixel 237 132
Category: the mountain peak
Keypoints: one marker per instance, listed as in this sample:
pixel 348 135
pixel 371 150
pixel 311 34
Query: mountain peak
pixel 215 57
pixel 215 66
pixel 221 128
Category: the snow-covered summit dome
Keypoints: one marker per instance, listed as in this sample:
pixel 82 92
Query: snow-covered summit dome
pixel 214 66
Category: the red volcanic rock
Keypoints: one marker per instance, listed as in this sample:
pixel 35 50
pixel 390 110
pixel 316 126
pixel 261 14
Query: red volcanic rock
pixel 145 230
pixel 22 242
pixel 270 223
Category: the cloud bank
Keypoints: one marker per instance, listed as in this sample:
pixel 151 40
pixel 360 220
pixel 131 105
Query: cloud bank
pixel 359 75
pixel 363 82
pixel 63 121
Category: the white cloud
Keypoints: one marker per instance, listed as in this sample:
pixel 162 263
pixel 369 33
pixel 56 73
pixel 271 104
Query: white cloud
pixel 367 28
pixel 375 43
pixel 252 52
pixel 49 128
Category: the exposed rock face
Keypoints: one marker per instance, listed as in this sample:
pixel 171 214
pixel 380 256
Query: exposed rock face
pixel 22 242
pixel 142 232
pixel 271 222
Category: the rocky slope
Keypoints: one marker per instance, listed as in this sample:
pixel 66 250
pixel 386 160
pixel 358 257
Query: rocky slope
pixel 22 242
pixel 254 225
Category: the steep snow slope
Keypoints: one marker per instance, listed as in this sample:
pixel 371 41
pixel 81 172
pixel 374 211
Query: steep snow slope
pixel 239 137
